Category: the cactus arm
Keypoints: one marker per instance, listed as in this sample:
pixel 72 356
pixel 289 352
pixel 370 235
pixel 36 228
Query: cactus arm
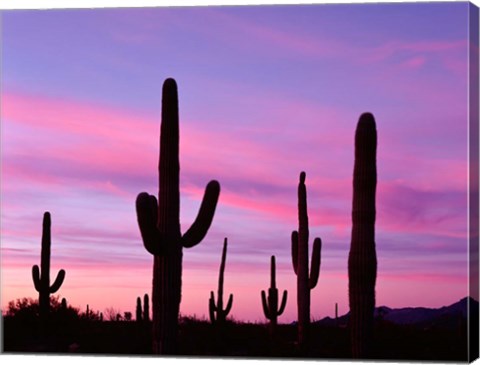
pixel 295 251
pixel 266 310
pixel 211 307
pixel 283 304
pixel 58 282
pixel 229 305
pixel 316 258
pixel 36 278
pixel 202 223
pixel 212 298
pixel 147 216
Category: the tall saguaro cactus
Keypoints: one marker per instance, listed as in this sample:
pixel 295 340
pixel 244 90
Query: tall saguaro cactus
pixel 160 227
pixel 362 259
pixel 305 283
pixel 42 280
pixel 222 313
pixel 270 307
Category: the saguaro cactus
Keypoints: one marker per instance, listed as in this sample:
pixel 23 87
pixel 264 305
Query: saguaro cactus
pixel 146 308
pixel 362 259
pixel 305 283
pixel 160 227
pixel 42 281
pixel 138 310
pixel 270 306
pixel 218 308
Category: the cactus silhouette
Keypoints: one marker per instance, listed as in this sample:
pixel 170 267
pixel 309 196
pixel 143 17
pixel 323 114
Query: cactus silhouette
pixel 270 306
pixel 64 304
pixel 138 310
pixel 218 308
pixel 305 283
pixel 159 225
pixel 42 280
pixel 146 308
pixel 362 260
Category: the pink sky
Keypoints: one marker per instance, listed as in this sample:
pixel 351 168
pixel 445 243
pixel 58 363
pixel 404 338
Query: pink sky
pixel 264 94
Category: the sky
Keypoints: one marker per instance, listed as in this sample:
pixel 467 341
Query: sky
pixel 265 92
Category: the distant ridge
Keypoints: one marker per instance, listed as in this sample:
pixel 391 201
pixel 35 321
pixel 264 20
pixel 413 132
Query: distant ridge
pixel 447 316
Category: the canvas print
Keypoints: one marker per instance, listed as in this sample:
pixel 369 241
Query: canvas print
pixel 258 182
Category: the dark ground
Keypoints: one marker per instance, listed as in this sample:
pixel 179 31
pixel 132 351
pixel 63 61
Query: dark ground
pixel 241 340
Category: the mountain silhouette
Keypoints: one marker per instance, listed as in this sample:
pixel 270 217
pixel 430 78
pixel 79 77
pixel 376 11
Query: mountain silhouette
pixel 446 316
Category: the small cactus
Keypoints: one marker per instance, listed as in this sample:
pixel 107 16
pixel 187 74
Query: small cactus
pixel 138 310
pixel 142 315
pixel 42 281
pixel 305 283
pixel 218 308
pixel 270 306
pixel 64 304
pixel 159 224
pixel 146 308
pixel 362 259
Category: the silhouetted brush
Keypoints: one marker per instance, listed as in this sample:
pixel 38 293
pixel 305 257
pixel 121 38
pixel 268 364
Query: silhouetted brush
pixel 362 259
pixel 305 283
pixel 41 280
pixel 221 313
pixel 160 227
pixel 270 306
